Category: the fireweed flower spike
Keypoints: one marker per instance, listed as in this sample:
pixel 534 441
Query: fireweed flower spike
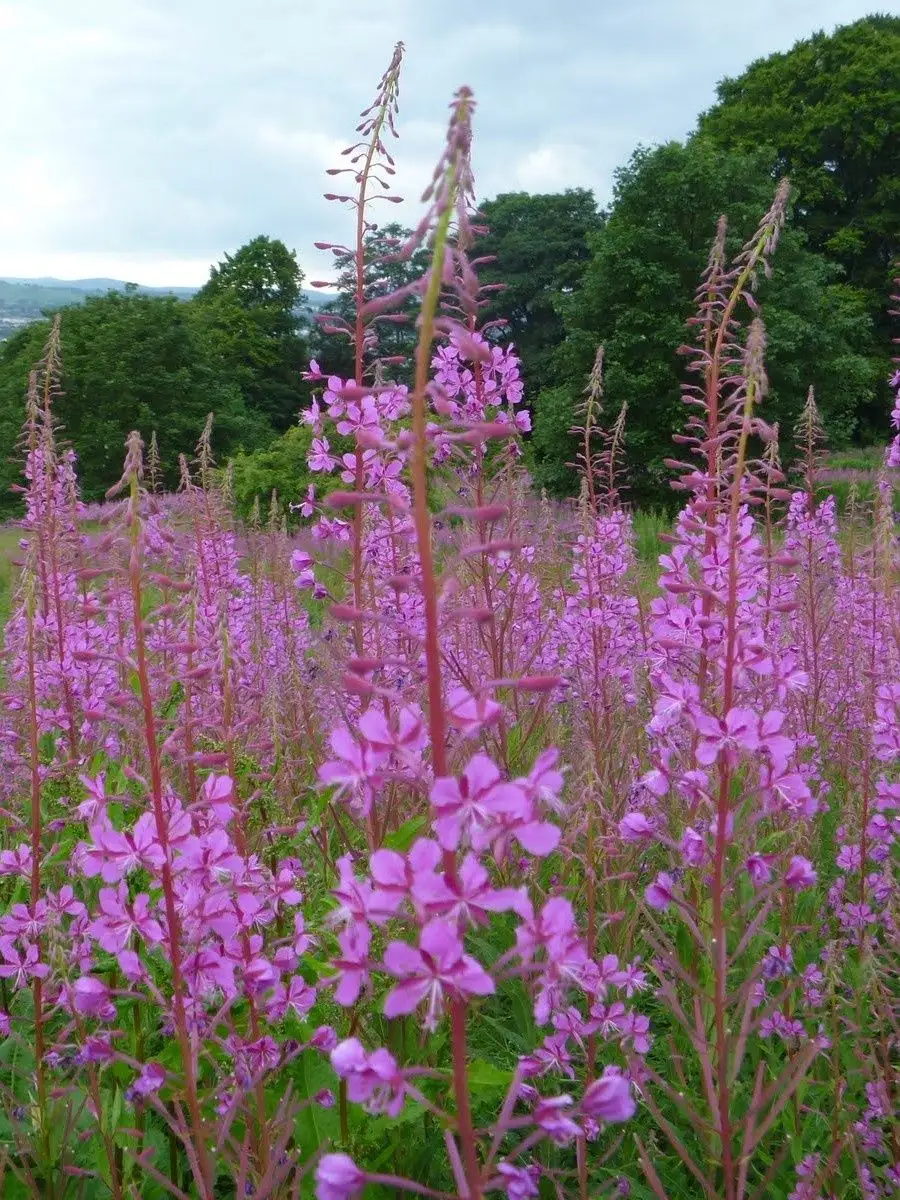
pixel 295 822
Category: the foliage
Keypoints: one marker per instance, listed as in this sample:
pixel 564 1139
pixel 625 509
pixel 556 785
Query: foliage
pixel 431 850
pixel 386 270
pixel 250 311
pixel 280 467
pixel 536 247
pixel 130 359
pixel 637 292
pixel 825 113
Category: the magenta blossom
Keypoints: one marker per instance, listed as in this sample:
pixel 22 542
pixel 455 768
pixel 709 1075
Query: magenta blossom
pixel 634 827
pixel 338 1178
pixel 467 808
pixel 661 892
pixel 150 1080
pixel 800 873
pixel 439 965
pixel 372 1079
pixel 726 739
pixel 609 1098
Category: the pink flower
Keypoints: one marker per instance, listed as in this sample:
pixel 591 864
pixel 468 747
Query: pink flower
pixel 467 807
pixel 438 965
pixel 119 919
pixel 16 862
pixel 354 896
pixel 338 1178
pixel 519 1183
pixel 544 782
pixel 319 457
pixel 218 791
pixel 758 867
pixel 551 1115
pixel 19 967
pixel 693 847
pixel 115 855
pixel 726 739
pixel 800 873
pixel 470 899
pixel 298 995
pixel 354 768
pixel 352 963
pixel 660 893
pixel 150 1080
pixel 211 859
pixel 394 874
pixel 609 1098
pixel 469 714
pixel 372 1079
pixel 90 997
pixel 634 827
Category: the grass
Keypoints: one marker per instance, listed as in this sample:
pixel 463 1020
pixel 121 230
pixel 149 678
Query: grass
pixel 9 549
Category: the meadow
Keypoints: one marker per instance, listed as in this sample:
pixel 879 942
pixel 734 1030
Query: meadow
pixel 439 839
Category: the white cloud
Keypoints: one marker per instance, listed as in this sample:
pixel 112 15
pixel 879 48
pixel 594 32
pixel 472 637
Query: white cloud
pixel 148 136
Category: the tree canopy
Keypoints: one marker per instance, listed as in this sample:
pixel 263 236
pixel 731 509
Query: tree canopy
pixel 129 361
pixel 539 247
pixel 827 113
pixel 637 293
pixel 251 308
pixel 384 272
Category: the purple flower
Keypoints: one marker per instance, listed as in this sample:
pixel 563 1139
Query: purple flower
pixel 726 738
pixel 758 868
pixel 338 1177
pixel 661 892
pixel 19 967
pixel 90 997
pixel 551 1115
pixel 352 963
pixel 468 807
pixel 372 1079
pixel 438 965
pixel 519 1183
pixel 609 1098
pixel 150 1080
pixel 693 847
pixel 778 961
pixel 634 827
pixel 800 874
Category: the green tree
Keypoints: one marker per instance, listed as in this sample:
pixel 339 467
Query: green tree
pixel 539 244
pixel 384 273
pixel 827 114
pixel 637 294
pixel 129 361
pixel 251 312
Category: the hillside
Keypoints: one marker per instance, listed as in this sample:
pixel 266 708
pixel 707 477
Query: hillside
pixel 25 300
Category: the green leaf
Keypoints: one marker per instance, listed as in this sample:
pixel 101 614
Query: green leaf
pixel 485 1077
pixel 316 1126
pixel 401 839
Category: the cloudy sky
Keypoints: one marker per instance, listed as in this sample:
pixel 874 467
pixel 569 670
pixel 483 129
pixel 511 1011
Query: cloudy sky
pixel 141 138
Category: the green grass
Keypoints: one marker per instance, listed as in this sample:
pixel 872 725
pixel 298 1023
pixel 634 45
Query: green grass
pixel 9 549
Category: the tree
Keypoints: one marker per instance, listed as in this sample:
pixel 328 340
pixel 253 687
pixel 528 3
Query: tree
pixel 384 274
pixel 129 361
pixel 251 310
pixel 826 114
pixel 540 247
pixel 637 293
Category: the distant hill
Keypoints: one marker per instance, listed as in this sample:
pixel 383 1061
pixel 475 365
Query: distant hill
pixel 25 300
pixel 96 285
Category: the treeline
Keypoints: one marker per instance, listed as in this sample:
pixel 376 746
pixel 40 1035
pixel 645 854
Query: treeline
pixel 826 114
pixel 153 362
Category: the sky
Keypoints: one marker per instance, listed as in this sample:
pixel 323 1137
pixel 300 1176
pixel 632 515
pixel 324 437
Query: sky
pixel 141 139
